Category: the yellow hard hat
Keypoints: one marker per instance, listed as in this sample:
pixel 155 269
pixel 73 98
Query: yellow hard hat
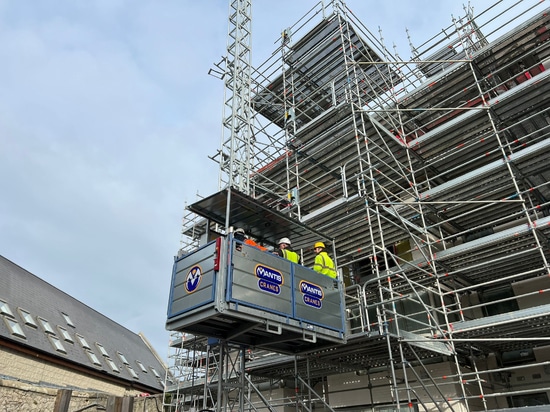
pixel 319 244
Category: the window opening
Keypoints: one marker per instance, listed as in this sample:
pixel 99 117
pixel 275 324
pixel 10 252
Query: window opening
pixel 56 343
pixel 93 358
pixel 46 326
pixel 5 309
pixel 132 372
pixel 65 334
pixel 27 318
pixel 143 368
pixel 68 319
pixel 112 365
pixel 83 342
pixel 101 349
pixel 14 328
pixel 123 358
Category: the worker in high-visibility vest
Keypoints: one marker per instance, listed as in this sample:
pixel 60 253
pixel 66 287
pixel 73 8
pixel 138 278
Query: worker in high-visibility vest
pixel 323 263
pixel 241 236
pixel 286 251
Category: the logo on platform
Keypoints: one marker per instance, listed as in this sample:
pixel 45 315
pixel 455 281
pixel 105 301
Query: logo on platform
pixel 312 294
pixel 269 279
pixel 193 279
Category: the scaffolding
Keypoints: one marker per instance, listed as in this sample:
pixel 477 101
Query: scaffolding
pixel 203 369
pixel 431 176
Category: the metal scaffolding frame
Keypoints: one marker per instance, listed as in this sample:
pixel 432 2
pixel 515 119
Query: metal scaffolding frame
pixel 236 156
pixel 208 374
pixel 432 176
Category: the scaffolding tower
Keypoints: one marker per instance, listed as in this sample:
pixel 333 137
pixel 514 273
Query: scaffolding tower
pixel 431 176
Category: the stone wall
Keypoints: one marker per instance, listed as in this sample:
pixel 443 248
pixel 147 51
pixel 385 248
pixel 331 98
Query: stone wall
pixel 17 397
pixel 34 369
pixel 31 384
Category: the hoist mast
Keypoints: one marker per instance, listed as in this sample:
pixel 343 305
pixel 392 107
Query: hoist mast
pixel 236 154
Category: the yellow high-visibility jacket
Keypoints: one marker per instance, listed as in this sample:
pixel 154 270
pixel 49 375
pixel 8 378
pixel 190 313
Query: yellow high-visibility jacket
pixel 324 264
pixel 290 255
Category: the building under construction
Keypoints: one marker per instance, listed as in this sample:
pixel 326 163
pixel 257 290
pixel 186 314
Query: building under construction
pixel 429 179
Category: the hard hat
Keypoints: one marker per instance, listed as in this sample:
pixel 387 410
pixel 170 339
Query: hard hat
pixel 284 240
pixel 239 234
pixel 319 244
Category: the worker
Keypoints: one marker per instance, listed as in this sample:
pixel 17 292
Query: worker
pixel 323 263
pixel 285 251
pixel 241 235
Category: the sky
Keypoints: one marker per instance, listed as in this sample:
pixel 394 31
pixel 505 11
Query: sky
pixel 107 118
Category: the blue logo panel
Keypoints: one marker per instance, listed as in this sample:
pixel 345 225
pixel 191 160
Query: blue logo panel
pixel 193 279
pixel 269 279
pixel 268 286
pixel 312 294
pixel 312 301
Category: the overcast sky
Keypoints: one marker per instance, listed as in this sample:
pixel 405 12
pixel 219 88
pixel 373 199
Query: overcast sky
pixel 107 116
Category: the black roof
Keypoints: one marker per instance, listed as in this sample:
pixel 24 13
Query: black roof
pixel 23 293
pixel 256 218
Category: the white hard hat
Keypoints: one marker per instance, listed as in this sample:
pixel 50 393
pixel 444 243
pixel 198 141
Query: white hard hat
pixel 284 240
pixel 240 234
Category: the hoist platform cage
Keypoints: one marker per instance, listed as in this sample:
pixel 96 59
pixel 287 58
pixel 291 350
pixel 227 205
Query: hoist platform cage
pixel 238 293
